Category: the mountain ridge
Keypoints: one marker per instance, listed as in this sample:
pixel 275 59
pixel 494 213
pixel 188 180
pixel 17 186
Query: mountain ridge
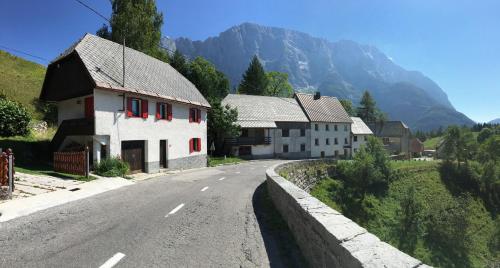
pixel 342 68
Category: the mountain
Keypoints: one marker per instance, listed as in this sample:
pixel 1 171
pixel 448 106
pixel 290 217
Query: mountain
pixel 343 69
pixel 495 121
pixel 20 80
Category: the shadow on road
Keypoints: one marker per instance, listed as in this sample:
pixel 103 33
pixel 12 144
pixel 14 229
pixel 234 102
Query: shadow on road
pixel 279 242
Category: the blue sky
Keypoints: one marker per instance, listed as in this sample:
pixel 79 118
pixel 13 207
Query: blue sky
pixel 455 43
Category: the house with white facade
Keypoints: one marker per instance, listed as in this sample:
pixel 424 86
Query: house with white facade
pixel 329 123
pixel 122 102
pixel 270 127
pixel 359 134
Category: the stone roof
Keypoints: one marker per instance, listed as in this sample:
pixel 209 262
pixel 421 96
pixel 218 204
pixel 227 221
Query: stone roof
pixel 324 109
pixel 144 74
pixel 264 111
pixel 389 128
pixel 359 127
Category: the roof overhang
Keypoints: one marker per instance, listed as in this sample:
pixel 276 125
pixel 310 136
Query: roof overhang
pixel 257 124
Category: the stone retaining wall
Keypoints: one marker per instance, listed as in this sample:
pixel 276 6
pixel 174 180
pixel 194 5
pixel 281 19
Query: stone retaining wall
pixel 325 237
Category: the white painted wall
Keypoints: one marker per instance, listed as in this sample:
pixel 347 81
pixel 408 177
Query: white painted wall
pixel 322 134
pixel 357 144
pixel 71 109
pixel 113 122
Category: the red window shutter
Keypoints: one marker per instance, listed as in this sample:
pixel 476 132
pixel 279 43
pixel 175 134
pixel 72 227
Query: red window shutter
pixel 198 115
pixel 144 106
pixel 191 143
pixel 190 115
pixel 169 112
pixel 158 107
pixel 129 106
pixel 199 145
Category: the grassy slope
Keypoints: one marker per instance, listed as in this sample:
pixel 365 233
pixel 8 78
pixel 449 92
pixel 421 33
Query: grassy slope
pixel 424 176
pixel 430 144
pixel 20 80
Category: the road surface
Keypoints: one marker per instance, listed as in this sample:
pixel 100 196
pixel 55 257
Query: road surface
pixel 214 217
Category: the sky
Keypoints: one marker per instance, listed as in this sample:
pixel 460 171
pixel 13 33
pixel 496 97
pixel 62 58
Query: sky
pixel 454 42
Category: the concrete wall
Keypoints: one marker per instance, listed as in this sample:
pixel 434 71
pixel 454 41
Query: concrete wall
pixel 325 237
pixel 112 121
pixel 322 134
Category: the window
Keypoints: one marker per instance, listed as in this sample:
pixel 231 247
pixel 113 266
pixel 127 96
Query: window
pixel 355 138
pixel 345 141
pixel 327 141
pixel 244 132
pixel 194 115
pixel 302 132
pixel 366 138
pixel 335 127
pixel 316 127
pixel 163 111
pixel 327 127
pixel 345 127
pixel 316 142
pixel 194 145
pixel 137 107
pixel 336 153
pixel 285 148
pixel 355 150
pixel 285 133
pixel 335 141
pixel 302 147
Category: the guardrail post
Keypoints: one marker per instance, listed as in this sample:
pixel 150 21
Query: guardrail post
pixel 87 162
pixel 10 160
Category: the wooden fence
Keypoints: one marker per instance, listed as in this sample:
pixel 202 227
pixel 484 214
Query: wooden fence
pixel 72 162
pixel 4 167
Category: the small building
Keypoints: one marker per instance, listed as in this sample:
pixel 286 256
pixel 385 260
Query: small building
pixel 270 127
pixel 329 123
pixel 359 134
pixel 394 134
pixel 138 108
pixel 416 147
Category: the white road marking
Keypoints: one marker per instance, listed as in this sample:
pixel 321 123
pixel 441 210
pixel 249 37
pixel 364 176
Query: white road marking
pixel 175 210
pixel 204 189
pixel 113 260
pixel 221 179
pixel 237 172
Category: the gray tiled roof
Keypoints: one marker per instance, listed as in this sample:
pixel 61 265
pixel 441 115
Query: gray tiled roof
pixel 359 127
pixel 324 109
pixel 262 111
pixel 143 74
pixel 256 124
pixel 389 128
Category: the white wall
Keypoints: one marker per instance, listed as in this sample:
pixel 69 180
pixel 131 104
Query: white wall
pixel 71 109
pixel 357 144
pixel 113 122
pixel 322 134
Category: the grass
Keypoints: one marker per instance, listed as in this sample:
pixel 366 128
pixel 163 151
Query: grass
pixel 430 144
pixel 385 214
pixel 46 170
pixel 215 161
pixel 21 80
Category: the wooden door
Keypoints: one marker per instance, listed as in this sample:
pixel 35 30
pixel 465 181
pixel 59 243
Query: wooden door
pixel 133 154
pixel 163 154
pixel 89 107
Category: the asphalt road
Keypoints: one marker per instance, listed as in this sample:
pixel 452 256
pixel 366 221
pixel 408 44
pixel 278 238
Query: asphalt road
pixel 214 217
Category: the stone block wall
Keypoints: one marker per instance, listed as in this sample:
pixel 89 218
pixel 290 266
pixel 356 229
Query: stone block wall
pixel 325 237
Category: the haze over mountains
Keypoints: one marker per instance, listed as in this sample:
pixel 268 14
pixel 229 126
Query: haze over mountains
pixel 343 69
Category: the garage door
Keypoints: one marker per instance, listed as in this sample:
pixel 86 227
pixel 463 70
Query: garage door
pixel 133 154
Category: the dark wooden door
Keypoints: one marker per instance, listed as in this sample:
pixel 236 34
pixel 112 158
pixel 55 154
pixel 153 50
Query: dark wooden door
pixel 163 154
pixel 133 154
pixel 89 107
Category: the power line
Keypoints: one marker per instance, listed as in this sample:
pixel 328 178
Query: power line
pixel 25 53
pixel 93 10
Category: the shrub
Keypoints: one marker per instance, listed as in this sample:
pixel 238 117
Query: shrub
pixel 112 167
pixel 14 119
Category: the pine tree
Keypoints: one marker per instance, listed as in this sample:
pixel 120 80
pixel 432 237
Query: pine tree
pixel 255 80
pixel 179 62
pixel 368 110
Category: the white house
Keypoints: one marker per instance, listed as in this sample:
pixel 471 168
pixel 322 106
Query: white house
pixel 359 134
pixel 140 108
pixel 271 127
pixel 330 125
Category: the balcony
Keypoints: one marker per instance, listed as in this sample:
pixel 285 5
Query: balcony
pixel 72 127
pixel 249 141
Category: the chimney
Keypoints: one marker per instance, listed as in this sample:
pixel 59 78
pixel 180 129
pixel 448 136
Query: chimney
pixel 317 95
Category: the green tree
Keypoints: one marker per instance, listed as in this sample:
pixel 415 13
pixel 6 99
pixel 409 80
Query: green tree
pixel 368 109
pixel 347 104
pixel 221 125
pixel 212 84
pixel 179 62
pixel 484 134
pixel 14 118
pixel 490 149
pixel 255 80
pixel 411 220
pixel 139 23
pixel 459 145
pixel 278 85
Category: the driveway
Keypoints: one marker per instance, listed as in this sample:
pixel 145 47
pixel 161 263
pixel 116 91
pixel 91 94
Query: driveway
pixel 214 217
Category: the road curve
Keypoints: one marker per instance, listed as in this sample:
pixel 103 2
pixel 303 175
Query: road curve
pixel 214 217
